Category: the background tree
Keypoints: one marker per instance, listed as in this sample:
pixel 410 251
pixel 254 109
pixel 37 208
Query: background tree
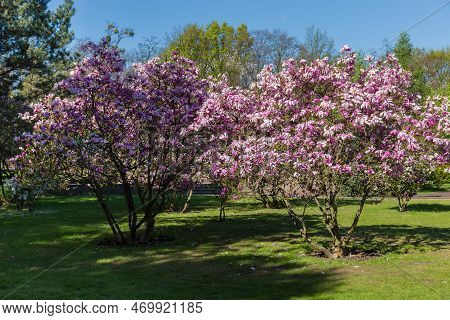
pixel 216 49
pixel 148 48
pixel 115 34
pixel 270 47
pixel 10 127
pixel 33 56
pixel 223 121
pixel 33 44
pixel 405 52
pixel 435 65
pixel 317 44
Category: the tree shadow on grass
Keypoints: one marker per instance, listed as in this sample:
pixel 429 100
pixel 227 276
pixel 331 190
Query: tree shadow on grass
pixel 268 228
pixel 204 202
pixel 426 207
pixel 61 229
pixel 401 238
pixel 116 273
pixel 192 230
pixel 237 227
pixel 207 259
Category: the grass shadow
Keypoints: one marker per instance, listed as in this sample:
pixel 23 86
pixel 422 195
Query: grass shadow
pixel 401 238
pixel 254 254
pixel 425 207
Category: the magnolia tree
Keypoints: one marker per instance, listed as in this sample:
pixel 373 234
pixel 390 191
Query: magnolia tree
pixel 320 127
pixel 267 190
pixel 111 125
pixel 406 185
pixel 419 170
pixel 224 122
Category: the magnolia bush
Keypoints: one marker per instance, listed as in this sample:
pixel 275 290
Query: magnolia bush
pixel 110 125
pixel 23 193
pixel 311 131
pixel 438 177
pixel 406 185
pixel 421 166
pixel 223 123
pixel 318 127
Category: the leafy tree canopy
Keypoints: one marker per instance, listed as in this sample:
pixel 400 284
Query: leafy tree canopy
pixel 216 49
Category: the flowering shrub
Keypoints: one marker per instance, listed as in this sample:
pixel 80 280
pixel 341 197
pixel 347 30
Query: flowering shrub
pixel 224 122
pixel 406 185
pixel 311 131
pixel 438 177
pixel 317 127
pixel 23 195
pixel 111 125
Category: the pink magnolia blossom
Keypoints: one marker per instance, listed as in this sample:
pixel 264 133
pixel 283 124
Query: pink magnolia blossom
pixel 318 128
pixel 111 125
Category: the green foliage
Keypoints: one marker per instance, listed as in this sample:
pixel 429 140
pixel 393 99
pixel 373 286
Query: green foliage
pixel 436 69
pixel 404 50
pixel 114 34
pixel 33 56
pixel 405 53
pixel 22 196
pixel 216 49
pixel 32 45
pixel 429 68
pixel 439 177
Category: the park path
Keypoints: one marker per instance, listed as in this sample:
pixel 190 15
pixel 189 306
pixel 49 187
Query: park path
pixel 438 195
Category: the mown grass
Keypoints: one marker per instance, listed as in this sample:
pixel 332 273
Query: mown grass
pixel 445 187
pixel 255 254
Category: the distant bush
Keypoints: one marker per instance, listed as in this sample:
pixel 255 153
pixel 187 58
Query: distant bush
pixel 440 176
pixel 23 196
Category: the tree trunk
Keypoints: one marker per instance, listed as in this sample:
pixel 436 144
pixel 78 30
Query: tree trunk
pixel 188 200
pixel 149 228
pixel 276 203
pixel 118 234
pixel 299 222
pixel 333 227
pixel 329 214
pixel 352 228
pixel 2 184
pixel 132 215
pixel 133 237
pixel 262 196
pixel 338 251
pixel 222 212
pixel 402 202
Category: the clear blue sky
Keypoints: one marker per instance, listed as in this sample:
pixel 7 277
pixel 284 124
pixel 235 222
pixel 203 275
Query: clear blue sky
pixel 360 24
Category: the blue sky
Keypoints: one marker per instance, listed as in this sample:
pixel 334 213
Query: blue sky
pixel 361 24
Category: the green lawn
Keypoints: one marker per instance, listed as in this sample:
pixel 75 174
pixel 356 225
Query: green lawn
pixel 255 254
pixel 445 187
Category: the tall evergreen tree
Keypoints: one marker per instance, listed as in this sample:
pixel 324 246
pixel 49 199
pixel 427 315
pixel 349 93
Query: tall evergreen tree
pixel 33 56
